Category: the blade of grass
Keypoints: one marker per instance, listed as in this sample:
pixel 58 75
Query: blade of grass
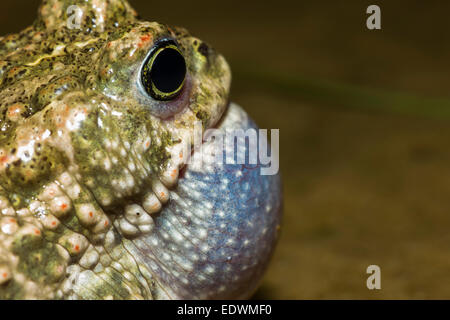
pixel 342 95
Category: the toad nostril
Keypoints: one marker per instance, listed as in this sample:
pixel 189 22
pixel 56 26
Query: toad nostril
pixel 203 49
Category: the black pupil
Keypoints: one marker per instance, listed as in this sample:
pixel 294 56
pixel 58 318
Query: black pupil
pixel 168 70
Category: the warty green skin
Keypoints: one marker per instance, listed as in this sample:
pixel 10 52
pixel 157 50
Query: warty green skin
pixel 81 143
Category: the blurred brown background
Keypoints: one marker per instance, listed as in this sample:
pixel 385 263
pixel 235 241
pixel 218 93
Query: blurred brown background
pixel 364 119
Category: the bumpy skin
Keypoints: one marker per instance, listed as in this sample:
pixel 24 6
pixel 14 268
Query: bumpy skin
pixel 88 160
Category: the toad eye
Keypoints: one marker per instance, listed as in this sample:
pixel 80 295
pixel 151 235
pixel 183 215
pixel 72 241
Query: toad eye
pixel 164 72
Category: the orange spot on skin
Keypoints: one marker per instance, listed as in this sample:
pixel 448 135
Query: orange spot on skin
pixel 3 159
pixel 12 220
pixel 147 144
pixel 4 275
pixel 77 248
pixel 14 110
pixel 64 206
pixel 106 223
pixel 54 223
pixel 173 174
pixel 91 214
pixel 181 155
pixel 29 173
pixel 37 35
pixel 163 194
pixel 13 70
pixel 37 231
pixel 144 39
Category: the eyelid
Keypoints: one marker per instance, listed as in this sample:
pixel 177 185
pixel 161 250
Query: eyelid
pixel 156 46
